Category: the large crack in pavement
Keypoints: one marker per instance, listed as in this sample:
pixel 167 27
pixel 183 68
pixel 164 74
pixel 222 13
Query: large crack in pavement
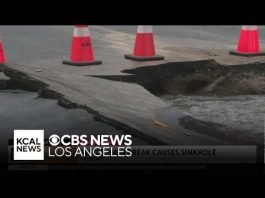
pixel 206 77
pixel 23 81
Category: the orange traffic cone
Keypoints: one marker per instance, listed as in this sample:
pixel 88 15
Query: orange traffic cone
pixel 82 50
pixel 248 43
pixel 144 47
pixel 2 54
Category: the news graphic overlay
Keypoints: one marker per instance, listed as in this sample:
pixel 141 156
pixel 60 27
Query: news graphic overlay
pixel 28 144
pixel 89 146
pixel 32 150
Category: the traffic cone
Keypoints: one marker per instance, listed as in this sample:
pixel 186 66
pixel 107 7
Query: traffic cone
pixel 144 47
pixel 248 43
pixel 2 54
pixel 82 50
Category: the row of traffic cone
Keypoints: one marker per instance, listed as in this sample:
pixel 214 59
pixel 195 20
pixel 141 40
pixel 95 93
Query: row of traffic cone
pixel 82 52
pixel 144 48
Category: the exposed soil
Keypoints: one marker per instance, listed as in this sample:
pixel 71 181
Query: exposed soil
pixel 1 67
pixel 186 78
pixel 205 77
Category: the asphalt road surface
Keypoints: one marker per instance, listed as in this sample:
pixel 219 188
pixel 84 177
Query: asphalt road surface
pixel 25 43
pixel 42 48
pixel 224 34
pixel 24 110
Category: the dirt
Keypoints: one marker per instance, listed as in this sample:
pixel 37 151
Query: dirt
pixel 3 81
pixel 205 77
pixel 1 67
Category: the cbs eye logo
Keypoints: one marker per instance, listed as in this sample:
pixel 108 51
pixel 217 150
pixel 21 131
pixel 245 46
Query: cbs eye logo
pixel 54 140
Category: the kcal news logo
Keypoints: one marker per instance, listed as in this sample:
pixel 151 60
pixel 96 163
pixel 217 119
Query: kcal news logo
pixel 28 144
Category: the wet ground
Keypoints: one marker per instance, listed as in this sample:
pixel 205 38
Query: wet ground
pixel 232 96
pixel 118 101
pixel 205 90
pixel 242 112
pixel 24 110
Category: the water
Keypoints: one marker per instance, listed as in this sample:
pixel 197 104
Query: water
pixel 24 110
pixel 245 112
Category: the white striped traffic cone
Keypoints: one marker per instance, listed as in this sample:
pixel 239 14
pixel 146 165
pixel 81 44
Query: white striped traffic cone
pixel 248 42
pixel 144 47
pixel 82 53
